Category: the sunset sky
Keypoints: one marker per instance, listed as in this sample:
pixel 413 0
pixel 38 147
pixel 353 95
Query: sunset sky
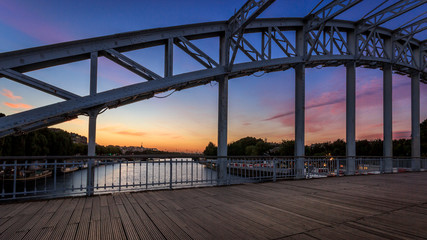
pixel 259 106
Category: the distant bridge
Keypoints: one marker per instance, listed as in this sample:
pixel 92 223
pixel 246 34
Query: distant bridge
pixel 315 40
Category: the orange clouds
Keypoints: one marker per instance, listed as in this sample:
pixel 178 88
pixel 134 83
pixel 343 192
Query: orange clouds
pixel 129 133
pixel 117 130
pixel 18 105
pixel 9 94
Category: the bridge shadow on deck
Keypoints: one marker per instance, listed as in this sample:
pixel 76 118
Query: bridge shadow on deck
pixel 373 207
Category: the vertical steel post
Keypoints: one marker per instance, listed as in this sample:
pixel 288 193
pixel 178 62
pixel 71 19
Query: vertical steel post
pixel 387 165
pixel 300 106
pixel 169 58
pixel 15 169
pixel 54 177
pixel 170 173
pixel 415 121
pixel 274 170
pixel 192 165
pixel 92 126
pixel 351 107
pixel 351 117
pixel 222 114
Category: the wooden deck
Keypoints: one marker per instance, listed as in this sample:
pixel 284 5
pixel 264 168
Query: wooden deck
pixel 371 207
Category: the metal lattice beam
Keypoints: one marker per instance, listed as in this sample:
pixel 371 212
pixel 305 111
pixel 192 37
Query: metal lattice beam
pixel 387 14
pixel 401 42
pixel 317 22
pixel 410 30
pixel 237 23
pixel 250 10
pixel 328 12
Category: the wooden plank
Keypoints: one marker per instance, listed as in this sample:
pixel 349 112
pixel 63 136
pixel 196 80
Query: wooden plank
pixel 169 229
pixel 126 221
pixel 43 215
pixel 95 230
pixel 9 227
pixel 114 212
pixel 62 223
pixel 117 229
pixel 386 206
pixel 70 231
pixel 95 219
pixel 77 213
pixel 26 221
pixel 300 236
pixel 141 230
pixel 148 223
pixel 106 229
pixel 84 222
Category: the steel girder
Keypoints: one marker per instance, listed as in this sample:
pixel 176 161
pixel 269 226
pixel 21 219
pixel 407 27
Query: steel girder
pixel 236 27
pixel 314 29
pixel 403 51
pixel 328 38
pixel 372 43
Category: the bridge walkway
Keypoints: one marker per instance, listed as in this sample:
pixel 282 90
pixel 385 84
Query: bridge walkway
pixel 371 207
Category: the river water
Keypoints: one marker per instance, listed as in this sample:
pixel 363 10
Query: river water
pixel 113 176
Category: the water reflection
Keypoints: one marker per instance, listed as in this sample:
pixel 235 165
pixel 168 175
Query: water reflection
pixel 115 175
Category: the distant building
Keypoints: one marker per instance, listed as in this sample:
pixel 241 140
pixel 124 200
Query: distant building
pixel 78 138
pixel 126 149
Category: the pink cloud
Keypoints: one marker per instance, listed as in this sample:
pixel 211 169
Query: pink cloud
pixel 401 134
pixel 9 94
pixel 18 105
pixel 371 136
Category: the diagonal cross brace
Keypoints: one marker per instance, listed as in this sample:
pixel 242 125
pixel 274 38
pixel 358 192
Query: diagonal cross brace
pixel 410 30
pixel 387 14
pixel 248 12
pixel 37 84
pixel 319 19
pixel 131 65
pixel 237 23
pixel 198 54
pixel 328 12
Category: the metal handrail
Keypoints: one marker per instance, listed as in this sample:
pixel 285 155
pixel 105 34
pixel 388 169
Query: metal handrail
pixel 56 176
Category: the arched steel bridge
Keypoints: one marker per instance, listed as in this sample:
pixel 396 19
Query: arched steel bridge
pixel 314 40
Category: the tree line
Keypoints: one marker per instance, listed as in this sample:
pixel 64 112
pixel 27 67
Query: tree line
pixel 250 146
pixel 48 142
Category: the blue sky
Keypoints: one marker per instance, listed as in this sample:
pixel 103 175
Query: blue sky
pixel 187 120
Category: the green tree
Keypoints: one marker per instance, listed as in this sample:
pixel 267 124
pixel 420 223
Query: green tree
pixel 210 150
pixel 286 148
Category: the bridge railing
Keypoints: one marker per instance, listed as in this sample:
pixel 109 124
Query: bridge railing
pixel 47 177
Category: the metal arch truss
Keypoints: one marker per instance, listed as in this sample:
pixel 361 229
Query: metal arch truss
pixel 247 45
